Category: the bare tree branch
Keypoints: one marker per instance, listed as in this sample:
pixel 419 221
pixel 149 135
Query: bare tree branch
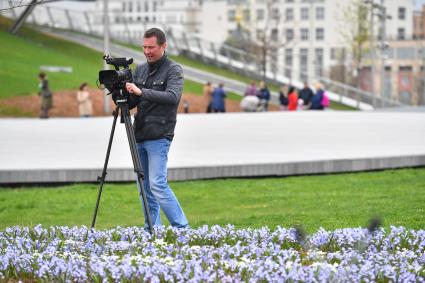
pixel 13 4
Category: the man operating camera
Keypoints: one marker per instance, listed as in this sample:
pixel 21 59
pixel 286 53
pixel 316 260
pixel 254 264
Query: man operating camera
pixel 156 92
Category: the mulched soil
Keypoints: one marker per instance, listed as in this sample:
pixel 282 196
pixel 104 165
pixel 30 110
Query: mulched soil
pixel 65 104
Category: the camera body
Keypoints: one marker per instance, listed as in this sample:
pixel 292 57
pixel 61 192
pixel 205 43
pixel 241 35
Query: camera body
pixel 115 80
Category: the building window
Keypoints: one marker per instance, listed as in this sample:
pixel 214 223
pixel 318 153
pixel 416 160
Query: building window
pixel 231 15
pixel 305 14
pixel 289 14
pixel 401 34
pixel 260 14
pixel 130 6
pixel 406 53
pixel 342 54
pixel 155 6
pixel 401 13
pixel 275 34
pixel 275 14
pixel 289 34
pixel 246 15
pixel 123 6
pixel 320 13
pixel 318 61
pixel 320 34
pixel 304 34
pixel 333 53
pixel 303 63
pixel 146 6
pixel 288 62
pixel 260 34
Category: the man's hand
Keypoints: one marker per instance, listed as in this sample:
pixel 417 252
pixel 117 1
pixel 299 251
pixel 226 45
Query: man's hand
pixel 132 88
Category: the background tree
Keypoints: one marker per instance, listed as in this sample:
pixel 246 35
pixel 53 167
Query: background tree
pixel 258 33
pixel 355 31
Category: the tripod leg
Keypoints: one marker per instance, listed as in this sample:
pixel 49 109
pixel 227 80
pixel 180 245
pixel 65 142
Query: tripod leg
pixel 136 162
pixel 102 178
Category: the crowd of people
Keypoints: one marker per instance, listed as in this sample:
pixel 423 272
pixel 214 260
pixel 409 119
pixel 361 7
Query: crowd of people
pixel 303 99
pixel 256 99
pixel 290 98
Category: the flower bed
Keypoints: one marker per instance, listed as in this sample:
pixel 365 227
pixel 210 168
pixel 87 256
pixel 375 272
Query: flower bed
pixel 215 253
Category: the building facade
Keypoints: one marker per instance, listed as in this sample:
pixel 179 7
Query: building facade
pixel 402 77
pixel 129 19
pixel 419 24
pixel 313 35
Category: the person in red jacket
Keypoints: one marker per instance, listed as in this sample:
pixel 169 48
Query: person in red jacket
pixel 292 99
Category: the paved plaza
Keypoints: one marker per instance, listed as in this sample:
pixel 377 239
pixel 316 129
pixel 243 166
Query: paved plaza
pixel 216 145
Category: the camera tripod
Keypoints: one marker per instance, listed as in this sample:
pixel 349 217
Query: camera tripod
pixel 123 108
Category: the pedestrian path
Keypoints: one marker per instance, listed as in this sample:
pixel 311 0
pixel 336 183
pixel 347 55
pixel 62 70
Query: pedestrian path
pixel 216 146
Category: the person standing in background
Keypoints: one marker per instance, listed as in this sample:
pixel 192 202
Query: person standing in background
pixel 292 99
pixel 207 92
pixel 218 96
pixel 316 101
pixel 251 90
pixel 283 99
pixel 84 101
pixel 46 96
pixel 306 94
pixel 263 94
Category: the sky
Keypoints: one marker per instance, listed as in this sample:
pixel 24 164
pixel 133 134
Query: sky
pixel 419 4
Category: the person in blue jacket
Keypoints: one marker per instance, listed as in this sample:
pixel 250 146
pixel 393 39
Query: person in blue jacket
pixel 264 95
pixel 218 96
pixel 316 100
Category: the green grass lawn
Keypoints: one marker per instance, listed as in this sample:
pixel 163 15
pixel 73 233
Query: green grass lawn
pixel 22 56
pixel 329 201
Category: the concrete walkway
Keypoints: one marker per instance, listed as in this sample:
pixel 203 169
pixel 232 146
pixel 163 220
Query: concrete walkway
pixel 216 145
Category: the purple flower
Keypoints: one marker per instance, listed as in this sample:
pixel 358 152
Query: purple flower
pixel 79 254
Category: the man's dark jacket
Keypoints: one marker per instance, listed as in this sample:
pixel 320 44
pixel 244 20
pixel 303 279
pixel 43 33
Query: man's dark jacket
pixel 306 94
pixel 161 84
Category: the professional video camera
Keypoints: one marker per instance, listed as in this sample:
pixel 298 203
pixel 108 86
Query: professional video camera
pixel 114 80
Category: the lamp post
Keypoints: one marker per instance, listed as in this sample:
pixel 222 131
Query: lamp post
pixel 382 14
pixel 311 70
pixel 382 47
pixel 373 54
pixel 106 103
pixel 423 70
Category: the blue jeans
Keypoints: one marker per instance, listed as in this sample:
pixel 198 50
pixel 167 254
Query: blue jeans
pixel 154 156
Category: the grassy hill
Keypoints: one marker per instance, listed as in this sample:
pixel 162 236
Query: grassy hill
pixel 23 54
